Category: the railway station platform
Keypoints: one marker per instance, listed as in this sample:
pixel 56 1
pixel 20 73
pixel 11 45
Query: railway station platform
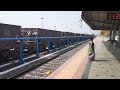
pixel 105 66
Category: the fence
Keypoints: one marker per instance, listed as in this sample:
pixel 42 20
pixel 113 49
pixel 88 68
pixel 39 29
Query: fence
pixel 68 39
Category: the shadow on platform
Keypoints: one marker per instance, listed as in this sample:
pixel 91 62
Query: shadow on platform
pixel 102 59
pixel 98 60
pixel 87 70
pixel 113 48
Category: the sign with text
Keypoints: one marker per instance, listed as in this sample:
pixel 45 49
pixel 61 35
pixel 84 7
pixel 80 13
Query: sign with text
pixel 113 16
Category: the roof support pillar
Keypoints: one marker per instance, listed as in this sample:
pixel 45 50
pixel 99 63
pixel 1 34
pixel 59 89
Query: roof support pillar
pixel 114 34
pixel 119 35
pixel 110 35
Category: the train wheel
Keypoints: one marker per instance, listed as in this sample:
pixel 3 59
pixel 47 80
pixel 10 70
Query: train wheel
pixel 13 54
pixel 2 58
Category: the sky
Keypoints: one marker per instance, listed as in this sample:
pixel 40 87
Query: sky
pixel 63 20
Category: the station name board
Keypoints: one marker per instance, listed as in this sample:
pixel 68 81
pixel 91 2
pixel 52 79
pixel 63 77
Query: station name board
pixel 113 16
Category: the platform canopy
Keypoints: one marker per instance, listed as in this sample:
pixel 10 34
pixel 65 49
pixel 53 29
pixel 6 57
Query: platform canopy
pixel 97 20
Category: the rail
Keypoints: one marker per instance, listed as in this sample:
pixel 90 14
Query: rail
pixel 69 39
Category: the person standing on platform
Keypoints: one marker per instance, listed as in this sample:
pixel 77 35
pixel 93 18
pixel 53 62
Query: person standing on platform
pixel 91 50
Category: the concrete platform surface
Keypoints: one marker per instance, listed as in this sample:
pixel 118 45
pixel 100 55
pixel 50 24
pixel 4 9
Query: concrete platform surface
pixel 105 66
pixel 73 68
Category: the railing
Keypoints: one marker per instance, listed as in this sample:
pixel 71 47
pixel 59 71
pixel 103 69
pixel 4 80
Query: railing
pixel 70 40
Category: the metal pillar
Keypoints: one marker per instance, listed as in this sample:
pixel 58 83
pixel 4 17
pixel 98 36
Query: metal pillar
pixel 37 48
pixel 54 44
pixel 110 35
pixel 48 45
pixel 60 44
pixel 21 61
pixel 48 40
pixel 119 36
pixel 114 34
pixel 64 42
pixel 67 40
pixel 70 40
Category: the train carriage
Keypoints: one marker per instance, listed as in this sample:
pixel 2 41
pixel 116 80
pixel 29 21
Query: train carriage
pixel 9 49
pixel 41 33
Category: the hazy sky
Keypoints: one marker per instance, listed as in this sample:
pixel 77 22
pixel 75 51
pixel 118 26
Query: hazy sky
pixel 63 20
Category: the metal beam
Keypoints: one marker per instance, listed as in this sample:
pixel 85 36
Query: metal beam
pixel 89 19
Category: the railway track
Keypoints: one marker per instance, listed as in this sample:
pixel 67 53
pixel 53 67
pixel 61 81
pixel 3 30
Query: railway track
pixel 8 64
pixel 43 70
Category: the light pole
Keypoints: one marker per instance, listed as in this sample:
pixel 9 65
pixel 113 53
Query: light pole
pixel 42 22
pixel 66 31
pixel 70 29
pixel 55 27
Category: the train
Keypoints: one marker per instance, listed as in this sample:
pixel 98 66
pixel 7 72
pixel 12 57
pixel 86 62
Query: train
pixel 11 49
pixel 38 32
pixel 8 49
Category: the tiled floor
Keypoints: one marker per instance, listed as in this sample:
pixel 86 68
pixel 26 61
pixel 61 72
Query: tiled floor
pixel 73 68
pixel 105 66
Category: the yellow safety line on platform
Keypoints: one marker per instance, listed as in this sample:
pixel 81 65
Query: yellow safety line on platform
pixel 69 70
pixel 74 62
